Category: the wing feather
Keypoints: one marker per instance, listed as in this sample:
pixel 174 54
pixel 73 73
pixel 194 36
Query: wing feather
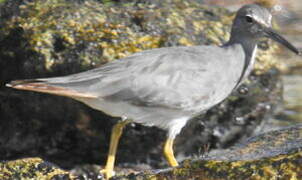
pixel 171 77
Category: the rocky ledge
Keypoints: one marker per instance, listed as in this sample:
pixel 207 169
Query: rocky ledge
pixel 276 154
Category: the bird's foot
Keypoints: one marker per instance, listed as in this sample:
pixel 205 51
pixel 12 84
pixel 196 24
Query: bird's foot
pixel 108 173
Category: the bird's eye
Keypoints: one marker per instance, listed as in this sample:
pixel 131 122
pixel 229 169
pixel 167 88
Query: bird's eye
pixel 249 19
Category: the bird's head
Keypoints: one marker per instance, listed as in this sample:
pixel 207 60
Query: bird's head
pixel 253 21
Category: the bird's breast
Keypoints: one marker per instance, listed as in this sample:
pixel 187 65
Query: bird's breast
pixel 223 81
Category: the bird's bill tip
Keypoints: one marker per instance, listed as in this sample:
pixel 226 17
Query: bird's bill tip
pixel 276 37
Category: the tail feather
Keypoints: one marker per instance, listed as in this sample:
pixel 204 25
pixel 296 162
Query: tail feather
pixel 44 87
pixel 20 82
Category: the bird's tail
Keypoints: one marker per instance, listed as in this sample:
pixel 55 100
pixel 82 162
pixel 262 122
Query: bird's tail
pixel 45 87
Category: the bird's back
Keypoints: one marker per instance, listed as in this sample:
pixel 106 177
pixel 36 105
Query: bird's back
pixel 160 84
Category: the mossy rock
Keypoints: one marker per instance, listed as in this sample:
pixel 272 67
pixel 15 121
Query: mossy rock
pixel 31 168
pixel 273 155
pixel 63 37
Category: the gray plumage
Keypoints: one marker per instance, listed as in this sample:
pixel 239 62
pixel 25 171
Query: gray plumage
pixel 166 87
pixel 158 86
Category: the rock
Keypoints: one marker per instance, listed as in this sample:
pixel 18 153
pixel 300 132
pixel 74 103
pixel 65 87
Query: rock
pixel 45 38
pixel 276 154
pixel 32 168
pixel 272 155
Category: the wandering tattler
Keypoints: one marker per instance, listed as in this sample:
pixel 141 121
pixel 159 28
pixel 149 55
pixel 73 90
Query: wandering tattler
pixel 166 87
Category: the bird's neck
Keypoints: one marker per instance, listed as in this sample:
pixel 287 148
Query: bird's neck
pixel 249 46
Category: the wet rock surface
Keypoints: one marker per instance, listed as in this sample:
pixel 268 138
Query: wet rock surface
pixel 46 38
pixel 275 154
pixel 271 144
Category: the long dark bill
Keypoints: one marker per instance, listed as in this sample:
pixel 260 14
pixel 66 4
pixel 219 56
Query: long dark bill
pixel 275 36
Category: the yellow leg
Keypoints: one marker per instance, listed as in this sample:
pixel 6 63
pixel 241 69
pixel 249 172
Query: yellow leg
pixel 168 152
pixel 114 139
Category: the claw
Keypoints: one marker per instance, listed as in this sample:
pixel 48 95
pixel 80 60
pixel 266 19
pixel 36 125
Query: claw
pixel 108 173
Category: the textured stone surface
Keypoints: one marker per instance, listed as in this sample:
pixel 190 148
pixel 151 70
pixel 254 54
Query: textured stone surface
pixel 276 154
pixel 31 168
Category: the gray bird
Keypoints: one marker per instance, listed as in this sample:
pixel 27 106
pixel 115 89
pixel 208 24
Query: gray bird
pixel 166 87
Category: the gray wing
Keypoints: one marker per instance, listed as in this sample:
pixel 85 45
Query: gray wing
pixel 154 87
pixel 176 78
pixel 171 79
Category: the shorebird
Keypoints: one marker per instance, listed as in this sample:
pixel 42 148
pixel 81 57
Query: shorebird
pixel 166 87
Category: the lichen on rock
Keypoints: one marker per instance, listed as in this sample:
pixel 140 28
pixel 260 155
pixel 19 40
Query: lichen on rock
pixel 89 33
pixel 31 168
pixel 275 154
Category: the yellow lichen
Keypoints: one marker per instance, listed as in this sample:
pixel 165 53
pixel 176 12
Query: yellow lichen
pixel 27 168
